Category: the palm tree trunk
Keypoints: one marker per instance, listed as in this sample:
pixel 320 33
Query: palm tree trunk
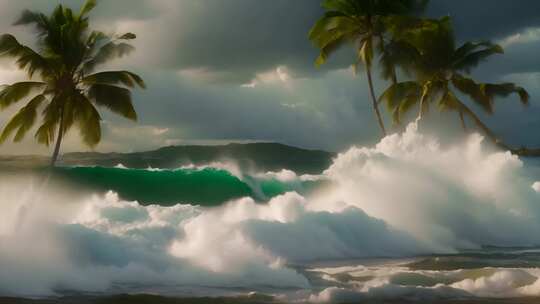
pixel 59 137
pixel 463 124
pixel 487 131
pixel 523 151
pixel 422 104
pixel 374 100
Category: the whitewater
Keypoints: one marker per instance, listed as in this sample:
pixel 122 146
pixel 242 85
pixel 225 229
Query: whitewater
pixel 410 218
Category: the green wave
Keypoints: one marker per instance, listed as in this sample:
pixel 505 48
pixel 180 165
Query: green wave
pixel 207 187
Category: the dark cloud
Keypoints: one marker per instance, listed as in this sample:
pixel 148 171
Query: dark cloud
pixel 518 58
pixel 195 54
pixel 243 37
pixel 320 112
pixel 106 10
pixel 487 19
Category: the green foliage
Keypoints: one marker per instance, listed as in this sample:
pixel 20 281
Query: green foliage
pixel 26 58
pixel 426 50
pixel 115 78
pixel 363 24
pixel 360 22
pixel 23 120
pixel 116 99
pixel 87 7
pixel 88 120
pixel 400 98
pixel 67 94
pixel 11 94
pixel 105 53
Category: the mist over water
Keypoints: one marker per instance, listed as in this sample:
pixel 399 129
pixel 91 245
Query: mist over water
pixel 408 196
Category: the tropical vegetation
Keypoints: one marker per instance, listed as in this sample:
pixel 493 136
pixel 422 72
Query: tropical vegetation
pixel 64 90
pixel 362 24
pixel 441 70
pixel 425 50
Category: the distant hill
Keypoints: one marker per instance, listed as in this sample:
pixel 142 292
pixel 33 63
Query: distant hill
pixel 258 156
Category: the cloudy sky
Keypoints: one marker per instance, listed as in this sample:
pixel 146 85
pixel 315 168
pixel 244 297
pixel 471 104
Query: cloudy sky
pixel 242 70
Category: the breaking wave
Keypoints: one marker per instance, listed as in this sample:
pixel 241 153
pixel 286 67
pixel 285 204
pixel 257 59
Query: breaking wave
pixel 204 230
pixel 204 185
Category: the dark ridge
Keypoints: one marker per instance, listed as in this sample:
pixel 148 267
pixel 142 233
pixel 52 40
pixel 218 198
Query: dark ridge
pixel 257 156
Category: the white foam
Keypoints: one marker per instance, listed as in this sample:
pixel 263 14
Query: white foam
pixel 456 197
pixel 406 196
pixel 536 187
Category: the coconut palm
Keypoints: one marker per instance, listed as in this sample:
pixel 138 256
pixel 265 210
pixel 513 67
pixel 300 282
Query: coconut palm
pixel 441 69
pixel 362 23
pixel 67 89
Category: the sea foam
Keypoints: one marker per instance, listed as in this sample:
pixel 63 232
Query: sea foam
pixel 406 196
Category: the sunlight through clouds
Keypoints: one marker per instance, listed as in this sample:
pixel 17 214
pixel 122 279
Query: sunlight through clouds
pixel 526 36
pixel 280 75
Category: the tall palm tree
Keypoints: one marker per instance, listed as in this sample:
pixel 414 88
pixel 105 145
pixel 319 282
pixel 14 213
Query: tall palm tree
pixel 67 89
pixel 429 52
pixel 362 23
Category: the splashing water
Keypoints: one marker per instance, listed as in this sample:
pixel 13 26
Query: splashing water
pixel 407 196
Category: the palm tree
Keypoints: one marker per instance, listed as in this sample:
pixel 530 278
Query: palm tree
pixel 428 51
pixel 67 90
pixel 361 22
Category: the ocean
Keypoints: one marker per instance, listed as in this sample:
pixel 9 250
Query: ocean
pixel 409 220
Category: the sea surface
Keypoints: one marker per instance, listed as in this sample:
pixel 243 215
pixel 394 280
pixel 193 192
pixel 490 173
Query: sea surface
pixel 406 221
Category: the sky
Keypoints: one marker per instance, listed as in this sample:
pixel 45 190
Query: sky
pixel 242 71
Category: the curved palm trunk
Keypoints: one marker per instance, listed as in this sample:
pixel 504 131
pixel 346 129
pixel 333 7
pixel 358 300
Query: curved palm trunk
pixel 487 131
pixel 422 105
pixel 462 119
pixel 59 137
pixel 519 151
pixel 374 100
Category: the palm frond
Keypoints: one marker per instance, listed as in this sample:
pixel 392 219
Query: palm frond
pixel 89 121
pixel 45 133
pixel 125 78
pixel 474 90
pixel 395 93
pixel 116 99
pixel 404 107
pixel 26 57
pixel 329 49
pixel 95 38
pixel 339 5
pixel 51 116
pixel 23 121
pixel 400 98
pixel 87 7
pixel 484 94
pixel 471 54
pixel 127 36
pixel 106 53
pixel 39 20
pixel 13 93
pixel 505 89
pixel 329 22
pixel 448 101
pixel 402 54
pixel 433 41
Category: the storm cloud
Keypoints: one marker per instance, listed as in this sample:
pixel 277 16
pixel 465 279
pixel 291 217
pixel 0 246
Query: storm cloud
pixel 242 70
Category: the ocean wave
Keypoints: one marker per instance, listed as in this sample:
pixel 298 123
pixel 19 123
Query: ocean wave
pixel 207 185
pixel 408 196
pixel 399 282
